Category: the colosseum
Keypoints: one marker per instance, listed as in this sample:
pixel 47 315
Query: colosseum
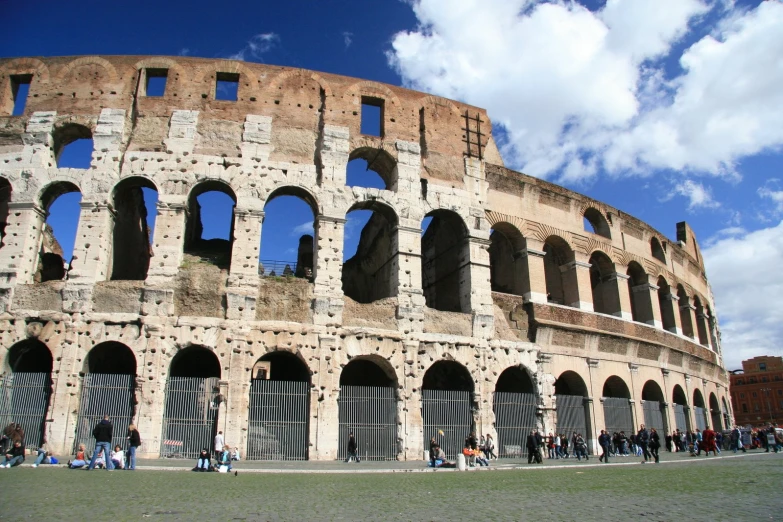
pixel 479 298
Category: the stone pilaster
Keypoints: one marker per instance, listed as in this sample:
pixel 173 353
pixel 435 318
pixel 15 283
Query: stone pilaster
pixel 182 132
pixel 481 304
pixel 328 262
pixel 408 175
pixel 108 138
pixel 168 242
pixel 671 310
pixel 242 292
pixel 531 262
pixel 335 148
pixel 92 249
pixel 576 285
pixel 151 392
pixel 644 295
pixel 412 427
pixel 324 435
pixel 237 394
pixel 688 318
pixel 19 255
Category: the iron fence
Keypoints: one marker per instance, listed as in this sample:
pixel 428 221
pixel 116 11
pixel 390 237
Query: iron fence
pixel 24 399
pixel 573 416
pixel 654 417
pixel 105 394
pixel 369 412
pixel 681 421
pixel 448 417
pixel 618 416
pixel 515 418
pixel 278 420
pixel 701 417
pixel 190 416
pixel 717 423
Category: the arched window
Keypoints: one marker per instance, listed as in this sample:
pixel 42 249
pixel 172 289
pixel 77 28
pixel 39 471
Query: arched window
pixel 603 282
pixel 445 259
pixel 557 254
pixel 287 234
pixel 639 290
pixel 134 220
pixel 508 260
pixel 73 146
pixel 596 223
pixel 209 233
pixel 371 168
pixel 60 201
pixel 657 250
pixel 370 261
pixel 685 311
pixel 667 305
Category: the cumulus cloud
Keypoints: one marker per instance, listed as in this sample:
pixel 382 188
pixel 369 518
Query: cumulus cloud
pixel 256 47
pixel 578 91
pixel 744 271
pixel 698 195
pixel 773 192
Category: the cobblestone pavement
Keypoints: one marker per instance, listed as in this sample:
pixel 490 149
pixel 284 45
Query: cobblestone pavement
pixel 745 487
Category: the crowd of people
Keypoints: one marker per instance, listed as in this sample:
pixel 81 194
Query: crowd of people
pixel 477 452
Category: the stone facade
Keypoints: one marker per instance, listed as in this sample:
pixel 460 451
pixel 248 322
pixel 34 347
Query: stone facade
pixel 525 285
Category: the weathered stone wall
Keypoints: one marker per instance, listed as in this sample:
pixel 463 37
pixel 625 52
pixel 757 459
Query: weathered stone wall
pixel 293 132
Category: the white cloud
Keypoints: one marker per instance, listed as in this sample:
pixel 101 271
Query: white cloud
pixel 304 228
pixel 256 47
pixel 184 51
pixel 698 195
pixel 579 91
pixel 744 271
pixel 347 39
pixel 772 191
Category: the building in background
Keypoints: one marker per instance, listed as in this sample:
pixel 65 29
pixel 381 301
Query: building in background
pixel 757 391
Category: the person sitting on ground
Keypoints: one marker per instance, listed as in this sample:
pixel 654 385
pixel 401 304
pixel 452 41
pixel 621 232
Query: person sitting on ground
pixel 204 461
pixel 14 456
pixel 225 458
pixel 81 460
pixel 44 457
pixel 480 458
pixel 118 457
pixel 437 456
pixel 235 454
pixel 100 460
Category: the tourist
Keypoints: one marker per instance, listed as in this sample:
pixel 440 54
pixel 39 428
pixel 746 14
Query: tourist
pixel 708 443
pixel 219 444
pixel 134 441
pixel 203 463
pixel 118 457
pixel 580 447
pixel 623 445
pixel 654 444
pixel 44 457
pixel 563 446
pixel 532 448
pixel 352 449
pixel 489 447
pixel 100 459
pixel 556 440
pixel 550 444
pixel 224 460
pixel 81 458
pixel 102 433
pixel 697 440
pixel 604 440
pixel 235 454
pixel 669 441
pixel 718 441
pixel 642 439
pixel 14 456
pixel 433 446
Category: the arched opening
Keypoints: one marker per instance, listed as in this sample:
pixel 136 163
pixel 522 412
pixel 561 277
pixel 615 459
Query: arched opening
pixel 514 403
pixel 61 202
pixel 657 250
pixel 557 254
pixel 447 406
pixel 192 403
pixel 209 232
pixel 108 388
pixel 279 414
pixel 725 411
pixel 596 223
pixel 368 409
pixel 135 201
pixel 508 260
pixel 573 408
pixel 370 260
pixel 73 146
pixel 287 243
pixel 603 282
pixel 371 168
pixel 445 260
pixel 617 406
pixel 701 322
pixel 653 406
pixel 715 413
pixel 27 389
pixel 699 410
pixel 639 290
pixel 5 199
pixel 667 304
pixel 685 312
pixel 682 419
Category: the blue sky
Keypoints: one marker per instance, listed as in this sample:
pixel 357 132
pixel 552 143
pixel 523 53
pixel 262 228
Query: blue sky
pixel 669 110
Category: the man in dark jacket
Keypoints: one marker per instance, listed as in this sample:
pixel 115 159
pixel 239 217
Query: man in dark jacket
pixel 532 447
pixel 604 439
pixel 352 449
pixel 102 433
pixel 14 456
pixel 643 439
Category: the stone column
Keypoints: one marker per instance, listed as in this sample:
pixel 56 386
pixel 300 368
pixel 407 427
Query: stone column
pixel 324 436
pixel 637 403
pixel 158 296
pixel 328 262
pixel 532 261
pixel 151 392
pixel 65 397
pixel 412 423
pixel 668 412
pixel 576 284
pixel 689 324
pixel 598 421
pixel 19 255
pixel 644 296
pixel 93 247
pixel 623 305
pixel 235 420
pixel 689 414
pixel 242 292
pixel 673 310
pixel 410 296
pixel 702 324
pixel 481 304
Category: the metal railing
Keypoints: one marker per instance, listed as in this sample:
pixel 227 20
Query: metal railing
pixel 278 420
pixel 24 399
pixel 105 394
pixel 190 416
pixel 277 268
pixel 447 417
pixel 371 414
pixel 515 418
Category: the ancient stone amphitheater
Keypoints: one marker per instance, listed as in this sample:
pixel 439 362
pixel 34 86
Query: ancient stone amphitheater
pixel 479 298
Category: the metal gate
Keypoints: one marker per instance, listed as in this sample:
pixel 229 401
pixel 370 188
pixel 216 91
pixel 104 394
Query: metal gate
pixel 701 418
pixel 190 417
pixel 618 416
pixel 278 420
pixel 572 416
pixel 24 399
pixel 515 418
pixel 105 394
pixel 371 414
pixel 448 412
pixel 716 420
pixel 681 418
pixel 654 417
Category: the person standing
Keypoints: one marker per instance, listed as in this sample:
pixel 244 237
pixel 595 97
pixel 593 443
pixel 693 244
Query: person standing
pixel 532 447
pixel 102 433
pixel 642 440
pixel 655 444
pixel 489 447
pixel 352 449
pixel 219 442
pixel 134 441
pixel 604 440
